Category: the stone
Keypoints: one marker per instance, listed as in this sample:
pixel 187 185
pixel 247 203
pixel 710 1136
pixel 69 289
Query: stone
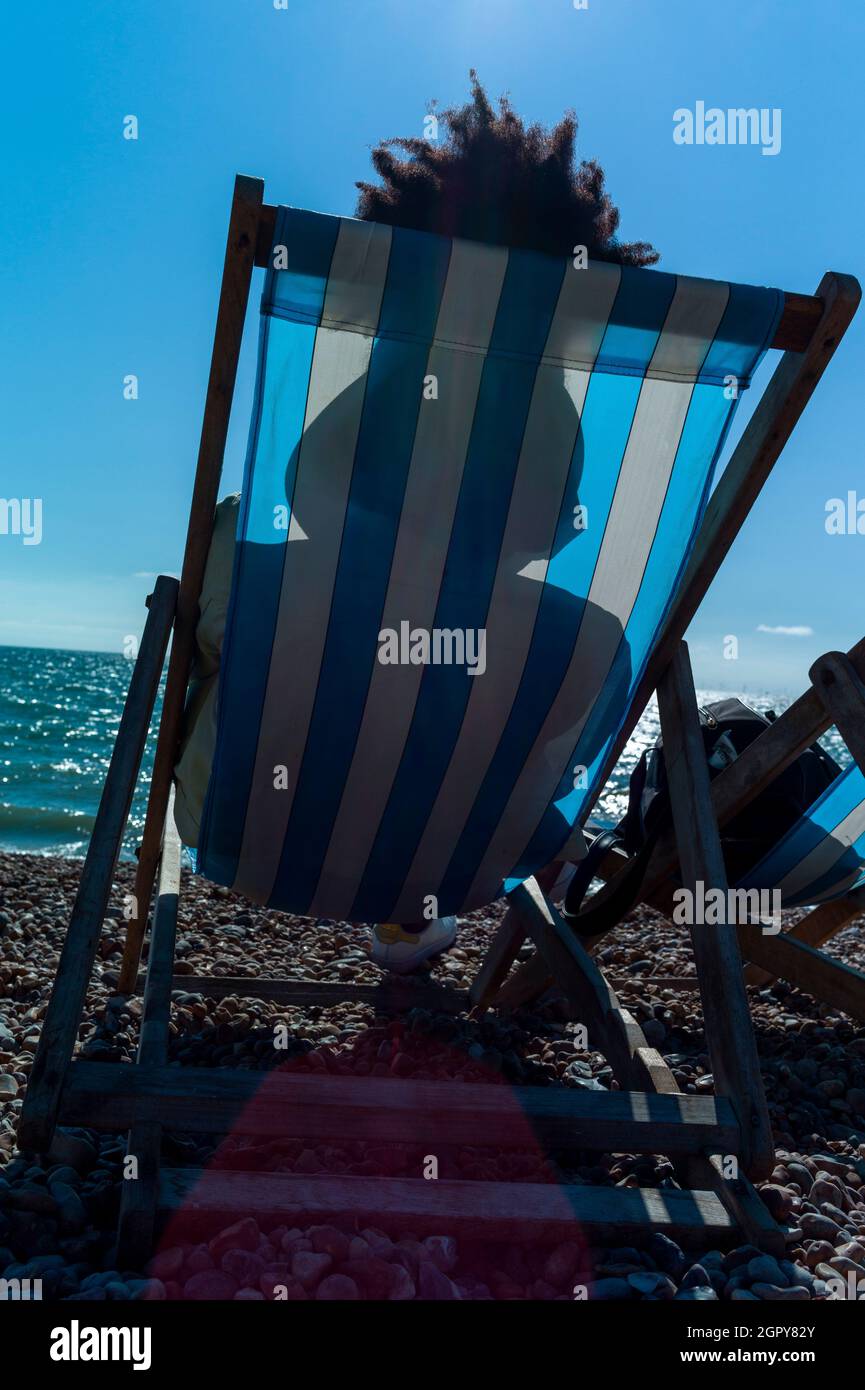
pixel 801 1176
pixel 608 1289
pixel 8 1087
pixel 210 1284
pixel 167 1264
pixel 309 1268
pixel 244 1266
pixel 337 1288
pixel 403 1287
pixel 666 1254
pixel 69 1149
pixel 794 1293
pixel 696 1278
pixel 249 1296
pixel 561 1265
pixel 818 1227
pixel 243 1235
pixel 71 1210
pixel 700 1293
pixel 433 1283
pixel 654 1031
pixel 743 1296
pixel 779 1200
pixel 375 1278
pixel 199 1260
pixel 856 1100
pixel 442 1251
pixel 327 1240
pixel 653 1285
pixel 766 1270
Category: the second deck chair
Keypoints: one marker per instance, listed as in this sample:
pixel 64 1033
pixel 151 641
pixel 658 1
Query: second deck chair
pixel 448 440
pixel 819 862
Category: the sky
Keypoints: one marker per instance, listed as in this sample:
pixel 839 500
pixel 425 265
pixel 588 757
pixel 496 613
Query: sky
pixel 111 252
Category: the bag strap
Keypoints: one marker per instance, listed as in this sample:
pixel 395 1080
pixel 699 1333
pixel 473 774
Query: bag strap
pixel 593 920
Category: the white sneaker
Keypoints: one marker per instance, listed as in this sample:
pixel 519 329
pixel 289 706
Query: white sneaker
pixel 400 950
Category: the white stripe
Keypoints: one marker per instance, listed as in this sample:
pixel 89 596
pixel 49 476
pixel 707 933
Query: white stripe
pixel 826 853
pixel 323 479
pixel 634 514
pixel 472 287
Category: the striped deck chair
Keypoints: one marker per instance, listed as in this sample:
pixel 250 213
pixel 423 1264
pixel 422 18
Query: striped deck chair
pixel 819 862
pixel 822 857
pixel 496 467
pixel 450 438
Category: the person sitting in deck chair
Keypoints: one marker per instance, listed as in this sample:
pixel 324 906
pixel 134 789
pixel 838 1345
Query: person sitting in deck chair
pixel 490 179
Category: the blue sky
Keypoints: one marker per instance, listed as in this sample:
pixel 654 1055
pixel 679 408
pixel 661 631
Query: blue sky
pixel 112 251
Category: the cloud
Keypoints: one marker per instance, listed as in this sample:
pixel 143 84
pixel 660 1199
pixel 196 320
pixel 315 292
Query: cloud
pixel 786 631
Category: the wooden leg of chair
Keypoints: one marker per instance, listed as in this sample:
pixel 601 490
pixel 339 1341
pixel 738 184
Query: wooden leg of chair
pixel 60 1030
pixel 817 927
pixel 505 946
pixel 729 1030
pixel 610 1028
pixel 140 1193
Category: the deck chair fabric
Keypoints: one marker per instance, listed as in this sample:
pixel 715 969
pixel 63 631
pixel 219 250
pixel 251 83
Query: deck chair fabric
pixel 473 479
pixel 822 856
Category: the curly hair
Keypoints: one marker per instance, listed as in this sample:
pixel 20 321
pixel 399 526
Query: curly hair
pixel 495 179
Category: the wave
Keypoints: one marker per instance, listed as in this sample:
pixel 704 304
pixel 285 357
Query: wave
pixel 48 819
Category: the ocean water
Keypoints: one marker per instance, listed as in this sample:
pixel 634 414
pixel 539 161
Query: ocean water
pixel 59 713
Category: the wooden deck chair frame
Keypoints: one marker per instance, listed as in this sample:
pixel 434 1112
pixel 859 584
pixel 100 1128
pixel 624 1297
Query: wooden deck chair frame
pixel 836 696
pixel 713 1140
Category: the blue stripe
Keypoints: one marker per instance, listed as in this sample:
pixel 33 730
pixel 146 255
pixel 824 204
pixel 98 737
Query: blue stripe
pixel 298 292
pixel 383 455
pixel 282 387
pixel 821 819
pixel 526 307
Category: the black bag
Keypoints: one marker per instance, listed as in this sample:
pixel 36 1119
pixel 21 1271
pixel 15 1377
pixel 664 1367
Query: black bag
pixel 728 726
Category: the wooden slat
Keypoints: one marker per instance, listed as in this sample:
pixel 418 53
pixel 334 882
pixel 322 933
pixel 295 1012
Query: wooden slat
pixel 531 1212
pixel 303 1106
pixel 60 1029
pixel 810 970
pixel 139 1195
pixel 741 1201
pixel 234 293
pixel 393 995
pixel 727 1020
pixel 842 691
pixel 817 927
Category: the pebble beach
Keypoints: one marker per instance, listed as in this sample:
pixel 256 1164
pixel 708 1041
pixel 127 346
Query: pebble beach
pixel 58 1210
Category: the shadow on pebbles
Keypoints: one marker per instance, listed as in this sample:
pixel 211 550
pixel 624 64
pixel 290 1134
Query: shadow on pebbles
pixel 58 1210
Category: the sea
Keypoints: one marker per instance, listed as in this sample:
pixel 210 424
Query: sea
pixel 59 714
